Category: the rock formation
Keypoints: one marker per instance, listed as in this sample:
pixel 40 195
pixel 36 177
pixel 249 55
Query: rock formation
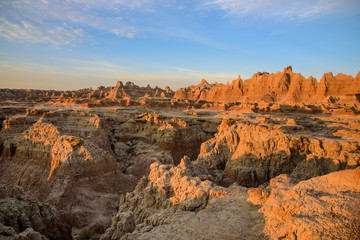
pixel 326 207
pixel 252 151
pixel 282 87
pixel 180 202
pixel 121 91
pixel 55 162
pixel 73 159
pixel 23 217
pixel 80 151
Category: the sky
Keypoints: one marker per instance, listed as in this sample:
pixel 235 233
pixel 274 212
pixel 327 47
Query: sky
pixel 74 44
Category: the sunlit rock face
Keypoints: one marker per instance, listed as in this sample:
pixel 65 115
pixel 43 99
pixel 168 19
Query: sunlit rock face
pixel 181 202
pixel 323 207
pixel 252 151
pixel 282 87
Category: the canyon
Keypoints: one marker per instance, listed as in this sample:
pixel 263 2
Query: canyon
pixel 276 156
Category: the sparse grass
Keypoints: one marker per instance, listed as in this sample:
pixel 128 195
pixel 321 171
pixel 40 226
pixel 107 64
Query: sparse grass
pixel 130 150
pixel 85 234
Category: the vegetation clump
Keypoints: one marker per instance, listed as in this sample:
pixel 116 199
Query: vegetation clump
pixel 130 150
pixel 85 234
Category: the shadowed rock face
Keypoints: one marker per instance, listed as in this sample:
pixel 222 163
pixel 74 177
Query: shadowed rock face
pixel 282 87
pixel 71 172
pixel 23 217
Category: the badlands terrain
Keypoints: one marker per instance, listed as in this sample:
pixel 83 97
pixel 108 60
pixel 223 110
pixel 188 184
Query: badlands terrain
pixel 276 156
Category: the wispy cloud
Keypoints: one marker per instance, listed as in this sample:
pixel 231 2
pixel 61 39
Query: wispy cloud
pixel 65 22
pixel 294 9
pixel 124 32
pixel 27 31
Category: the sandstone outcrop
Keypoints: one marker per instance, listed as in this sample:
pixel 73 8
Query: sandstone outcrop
pixel 326 207
pixel 252 151
pixel 63 159
pixel 23 217
pixel 179 202
pixel 282 87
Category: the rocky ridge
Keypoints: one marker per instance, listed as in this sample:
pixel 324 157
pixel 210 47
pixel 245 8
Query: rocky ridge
pixel 284 87
pixel 281 87
pixel 125 91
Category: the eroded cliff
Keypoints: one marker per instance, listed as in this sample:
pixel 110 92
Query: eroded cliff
pixel 282 87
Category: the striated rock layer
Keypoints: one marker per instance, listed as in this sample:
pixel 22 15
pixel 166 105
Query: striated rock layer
pixel 282 87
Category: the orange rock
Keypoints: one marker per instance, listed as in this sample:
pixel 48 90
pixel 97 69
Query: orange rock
pixel 282 87
pixel 326 207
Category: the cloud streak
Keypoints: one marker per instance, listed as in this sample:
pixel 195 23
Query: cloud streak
pixel 294 9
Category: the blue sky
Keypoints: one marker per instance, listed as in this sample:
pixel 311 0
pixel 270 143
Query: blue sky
pixel 74 44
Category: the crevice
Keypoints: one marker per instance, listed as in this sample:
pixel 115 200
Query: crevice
pixel 12 149
pixel 1 147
